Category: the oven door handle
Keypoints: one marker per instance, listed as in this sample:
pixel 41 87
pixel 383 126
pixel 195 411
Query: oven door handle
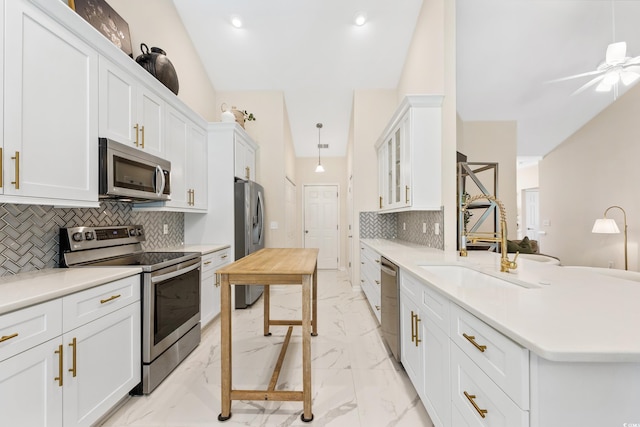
pixel 173 274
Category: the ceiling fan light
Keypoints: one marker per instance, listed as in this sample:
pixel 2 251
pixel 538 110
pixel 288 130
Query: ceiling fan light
pixel 611 78
pixel 236 21
pixel 628 77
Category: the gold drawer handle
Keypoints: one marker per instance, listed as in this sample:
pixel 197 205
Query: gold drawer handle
pixel 472 340
pixel 60 361
pixel 142 133
pixel 111 298
pixel 73 363
pixel 137 128
pixel 377 282
pixel 224 256
pixel 378 307
pixel 17 170
pixel 413 327
pixel 470 398
pixel 207 262
pixel 418 340
pixel 8 337
pixel 378 261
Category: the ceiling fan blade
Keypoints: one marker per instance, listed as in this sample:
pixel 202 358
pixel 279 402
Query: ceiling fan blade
pixel 588 84
pixel 631 62
pixel 575 76
pixel 628 77
pixel 616 53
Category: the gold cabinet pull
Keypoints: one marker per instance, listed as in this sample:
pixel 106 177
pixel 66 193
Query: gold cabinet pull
pixel 17 172
pixel 413 327
pixel 137 128
pixel 406 194
pixel 8 337
pixel 418 340
pixel 380 202
pixel 142 132
pixel 1 162
pixel 224 256
pixel 193 197
pixel 60 360
pixel 378 261
pixel 472 340
pixel 377 282
pixel 378 307
pixel 247 172
pixel 470 398
pixel 73 346
pixel 111 298
pixel 207 262
pixel 217 283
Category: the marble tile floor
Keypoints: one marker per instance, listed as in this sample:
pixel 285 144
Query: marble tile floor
pixel 355 382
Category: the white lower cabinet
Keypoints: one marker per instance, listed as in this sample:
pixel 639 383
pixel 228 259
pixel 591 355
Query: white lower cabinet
pixel 478 399
pixel 210 284
pixel 370 278
pixel 75 378
pixel 29 395
pixel 425 348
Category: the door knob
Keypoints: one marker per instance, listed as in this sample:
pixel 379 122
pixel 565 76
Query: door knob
pixel 306 231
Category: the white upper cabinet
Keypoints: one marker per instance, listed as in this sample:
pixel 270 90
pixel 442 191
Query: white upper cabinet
pixel 186 148
pixel 409 156
pixel 130 113
pixel 50 152
pixel 244 156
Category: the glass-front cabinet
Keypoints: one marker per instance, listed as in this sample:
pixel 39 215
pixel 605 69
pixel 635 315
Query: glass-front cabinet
pixel 392 160
pixel 409 156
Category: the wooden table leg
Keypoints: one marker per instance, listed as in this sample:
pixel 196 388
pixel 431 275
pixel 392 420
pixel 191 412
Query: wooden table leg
pixel 314 303
pixel 307 415
pixel 267 306
pixel 225 347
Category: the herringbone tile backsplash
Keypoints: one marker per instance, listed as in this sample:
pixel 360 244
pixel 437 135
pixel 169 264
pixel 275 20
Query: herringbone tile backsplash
pixel 374 225
pixel 29 234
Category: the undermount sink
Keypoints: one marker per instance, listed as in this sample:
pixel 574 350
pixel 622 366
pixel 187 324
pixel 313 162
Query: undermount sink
pixel 469 278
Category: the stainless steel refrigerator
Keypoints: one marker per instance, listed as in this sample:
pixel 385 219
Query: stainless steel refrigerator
pixel 249 233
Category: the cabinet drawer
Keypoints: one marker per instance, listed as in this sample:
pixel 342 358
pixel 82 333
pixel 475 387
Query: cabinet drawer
pixel 26 328
pixel 473 392
pixel 214 260
pixel 436 307
pixel 504 361
pixel 410 285
pixel 83 307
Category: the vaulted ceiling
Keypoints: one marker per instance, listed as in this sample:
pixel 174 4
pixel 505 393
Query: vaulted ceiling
pixel 507 52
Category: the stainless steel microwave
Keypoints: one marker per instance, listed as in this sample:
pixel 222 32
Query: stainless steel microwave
pixel 132 175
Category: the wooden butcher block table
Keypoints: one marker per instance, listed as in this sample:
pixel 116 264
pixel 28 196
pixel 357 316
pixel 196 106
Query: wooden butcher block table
pixel 272 267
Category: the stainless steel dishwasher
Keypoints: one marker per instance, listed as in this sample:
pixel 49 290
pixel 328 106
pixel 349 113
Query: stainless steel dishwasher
pixel 389 307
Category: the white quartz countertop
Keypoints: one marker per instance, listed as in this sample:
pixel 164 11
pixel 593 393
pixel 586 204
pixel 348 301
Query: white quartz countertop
pixel 569 314
pixel 202 248
pixel 25 289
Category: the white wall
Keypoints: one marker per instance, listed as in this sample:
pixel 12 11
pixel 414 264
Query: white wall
pixel 158 24
pixel 590 171
pixel 495 142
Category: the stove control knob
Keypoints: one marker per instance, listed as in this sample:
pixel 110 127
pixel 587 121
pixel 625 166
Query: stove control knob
pixel 133 232
pixel 89 235
pixel 139 231
pixel 77 237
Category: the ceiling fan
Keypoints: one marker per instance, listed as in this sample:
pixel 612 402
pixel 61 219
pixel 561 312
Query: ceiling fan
pixel 617 67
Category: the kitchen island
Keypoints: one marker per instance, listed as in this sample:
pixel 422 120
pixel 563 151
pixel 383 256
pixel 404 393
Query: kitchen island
pixel 269 267
pixel 563 345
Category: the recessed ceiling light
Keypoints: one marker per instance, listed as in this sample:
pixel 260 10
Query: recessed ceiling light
pixel 236 21
pixel 360 19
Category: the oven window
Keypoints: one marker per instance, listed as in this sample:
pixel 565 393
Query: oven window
pixel 176 301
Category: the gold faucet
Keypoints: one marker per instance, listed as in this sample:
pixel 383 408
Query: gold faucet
pixel 505 263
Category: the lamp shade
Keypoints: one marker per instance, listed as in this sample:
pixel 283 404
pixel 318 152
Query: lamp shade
pixel 606 226
pixel 319 168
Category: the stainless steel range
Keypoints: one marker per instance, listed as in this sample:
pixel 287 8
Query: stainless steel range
pixel 170 291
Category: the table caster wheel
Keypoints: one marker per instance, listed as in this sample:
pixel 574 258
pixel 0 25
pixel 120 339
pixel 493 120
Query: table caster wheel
pixel 306 420
pixel 221 418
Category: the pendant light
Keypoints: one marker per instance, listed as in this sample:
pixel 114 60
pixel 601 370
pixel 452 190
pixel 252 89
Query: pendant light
pixel 319 168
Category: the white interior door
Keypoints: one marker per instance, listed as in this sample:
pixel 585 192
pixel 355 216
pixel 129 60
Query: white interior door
pixel 321 223
pixel 532 213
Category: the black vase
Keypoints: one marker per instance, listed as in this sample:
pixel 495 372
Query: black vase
pixel 157 63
